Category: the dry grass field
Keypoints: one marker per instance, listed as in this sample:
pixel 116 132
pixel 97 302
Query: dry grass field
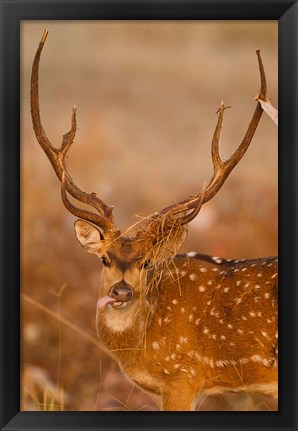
pixel 146 96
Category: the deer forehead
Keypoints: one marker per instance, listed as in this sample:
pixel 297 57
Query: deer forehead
pixel 124 250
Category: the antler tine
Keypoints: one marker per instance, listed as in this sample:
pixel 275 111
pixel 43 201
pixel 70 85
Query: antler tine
pixel 187 209
pixel 57 157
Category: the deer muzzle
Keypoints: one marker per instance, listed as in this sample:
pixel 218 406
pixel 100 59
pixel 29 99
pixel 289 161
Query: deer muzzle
pixel 118 297
pixel 121 292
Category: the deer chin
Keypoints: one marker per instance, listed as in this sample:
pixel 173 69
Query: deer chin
pixel 119 318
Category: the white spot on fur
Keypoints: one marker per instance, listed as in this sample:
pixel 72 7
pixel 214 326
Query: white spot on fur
pixel 190 317
pixel 223 337
pixel 258 358
pixel 174 301
pixel 226 289
pixel 166 371
pixel 182 310
pixel 155 345
pixel 259 274
pixel 267 295
pixel 274 275
pixel 240 331
pixel 206 330
pixel 243 269
pixel 192 371
pixel 208 302
pixel 197 321
pixel 243 318
pixel 191 254
pixel 220 363
pixel 230 326
pixel 203 269
pixel 210 282
pixel 252 314
pixel 238 283
pixel 192 277
pixel 167 319
pixel 191 354
pixel 217 259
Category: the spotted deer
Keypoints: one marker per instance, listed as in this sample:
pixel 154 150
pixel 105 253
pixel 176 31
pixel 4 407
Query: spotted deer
pixel 177 324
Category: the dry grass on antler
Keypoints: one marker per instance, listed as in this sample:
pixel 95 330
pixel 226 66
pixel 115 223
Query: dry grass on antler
pixel 163 238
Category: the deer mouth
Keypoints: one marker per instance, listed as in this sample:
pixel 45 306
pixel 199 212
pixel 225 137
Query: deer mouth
pixel 108 300
pixel 119 304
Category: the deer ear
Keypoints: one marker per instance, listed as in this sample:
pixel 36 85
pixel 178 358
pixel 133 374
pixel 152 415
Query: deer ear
pixel 88 236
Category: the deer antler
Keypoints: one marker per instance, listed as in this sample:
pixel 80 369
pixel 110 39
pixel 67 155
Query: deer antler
pixel 186 210
pixel 57 156
pixel 182 212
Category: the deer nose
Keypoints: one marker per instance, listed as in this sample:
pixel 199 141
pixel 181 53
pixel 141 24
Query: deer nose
pixel 121 291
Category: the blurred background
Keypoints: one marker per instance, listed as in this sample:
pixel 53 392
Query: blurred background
pixel 146 94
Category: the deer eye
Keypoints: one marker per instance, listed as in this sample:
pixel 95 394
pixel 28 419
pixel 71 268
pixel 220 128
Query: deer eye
pixel 146 264
pixel 105 261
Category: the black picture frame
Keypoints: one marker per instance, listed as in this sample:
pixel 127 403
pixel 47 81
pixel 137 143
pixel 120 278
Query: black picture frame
pixel 12 12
